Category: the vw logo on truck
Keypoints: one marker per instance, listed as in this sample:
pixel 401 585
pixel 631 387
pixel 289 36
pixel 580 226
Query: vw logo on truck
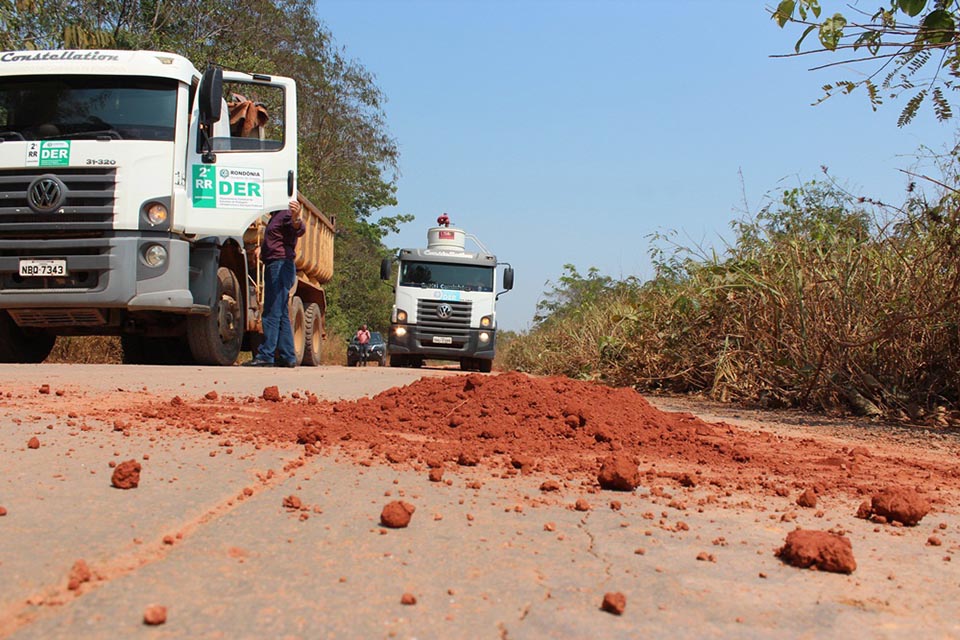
pixel 444 311
pixel 45 194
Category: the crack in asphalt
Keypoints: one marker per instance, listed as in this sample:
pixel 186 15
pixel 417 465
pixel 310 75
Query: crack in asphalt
pixel 591 548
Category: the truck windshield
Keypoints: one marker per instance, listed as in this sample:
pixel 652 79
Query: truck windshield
pixel 434 275
pixel 70 107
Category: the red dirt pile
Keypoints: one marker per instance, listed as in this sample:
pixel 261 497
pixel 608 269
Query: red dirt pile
pixel 819 549
pixel 552 427
pixel 397 514
pixel 897 504
pixel 126 475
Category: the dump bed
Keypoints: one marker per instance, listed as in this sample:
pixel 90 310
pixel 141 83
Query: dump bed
pixel 315 249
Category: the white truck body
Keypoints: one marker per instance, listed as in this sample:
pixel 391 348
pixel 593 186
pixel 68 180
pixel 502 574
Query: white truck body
pixel 94 147
pixel 445 302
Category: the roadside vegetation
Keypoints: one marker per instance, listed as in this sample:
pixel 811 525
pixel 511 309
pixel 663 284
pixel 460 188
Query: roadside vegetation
pixel 822 300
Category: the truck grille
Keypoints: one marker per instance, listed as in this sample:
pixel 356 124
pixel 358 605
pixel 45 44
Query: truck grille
pixel 58 317
pixel 87 201
pixel 456 326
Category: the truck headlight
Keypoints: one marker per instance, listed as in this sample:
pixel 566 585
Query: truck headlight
pixel 401 315
pixel 484 336
pixel 486 321
pixel 154 255
pixel 157 213
pixel 401 331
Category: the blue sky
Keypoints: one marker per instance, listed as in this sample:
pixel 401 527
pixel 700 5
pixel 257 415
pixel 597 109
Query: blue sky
pixel 569 131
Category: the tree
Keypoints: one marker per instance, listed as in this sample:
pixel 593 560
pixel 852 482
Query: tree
pixel 910 46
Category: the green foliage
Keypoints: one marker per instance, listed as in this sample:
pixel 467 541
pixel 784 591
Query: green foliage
pixel 820 298
pixel 914 43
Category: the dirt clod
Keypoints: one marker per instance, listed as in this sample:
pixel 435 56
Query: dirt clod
pixel 408 599
pixel 397 514
pixel 822 550
pixel 79 574
pixel 619 472
pixel 614 602
pixel 126 475
pixel 292 502
pixel 808 499
pixel 271 394
pixel 154 614
pixel 33 443
pixel 902 505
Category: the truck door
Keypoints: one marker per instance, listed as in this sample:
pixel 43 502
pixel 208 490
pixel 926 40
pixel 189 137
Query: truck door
pixel 245 164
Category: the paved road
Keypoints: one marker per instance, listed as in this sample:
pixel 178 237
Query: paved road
pixel 499 561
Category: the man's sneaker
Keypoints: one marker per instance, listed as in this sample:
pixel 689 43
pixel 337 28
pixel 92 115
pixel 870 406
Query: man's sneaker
pixel 286 365
pixel 257 362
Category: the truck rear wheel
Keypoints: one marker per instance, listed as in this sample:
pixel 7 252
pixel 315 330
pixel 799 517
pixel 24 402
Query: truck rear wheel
pixel 485 366
pixel 298 324
pixel 313 334
pixel 23 345
pixel 216 338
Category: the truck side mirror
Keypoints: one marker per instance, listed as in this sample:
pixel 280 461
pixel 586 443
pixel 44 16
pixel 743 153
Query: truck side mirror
pixel 385 269
pixel 211 95
pixel 508 278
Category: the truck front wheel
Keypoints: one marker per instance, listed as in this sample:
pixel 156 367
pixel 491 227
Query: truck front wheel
pixel 23 345
pixel 216 338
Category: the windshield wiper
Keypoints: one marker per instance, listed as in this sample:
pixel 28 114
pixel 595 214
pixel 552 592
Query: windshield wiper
pixel 100 134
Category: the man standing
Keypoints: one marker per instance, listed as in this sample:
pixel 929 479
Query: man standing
pixel 363 339
pixel 277 252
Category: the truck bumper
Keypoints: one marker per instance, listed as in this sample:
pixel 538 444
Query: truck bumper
pixel 420 342
pixel 105 272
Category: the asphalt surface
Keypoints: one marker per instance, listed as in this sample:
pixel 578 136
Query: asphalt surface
pixel 498 561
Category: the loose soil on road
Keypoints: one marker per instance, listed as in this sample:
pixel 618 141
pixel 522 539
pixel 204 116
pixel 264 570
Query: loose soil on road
pixel 528 443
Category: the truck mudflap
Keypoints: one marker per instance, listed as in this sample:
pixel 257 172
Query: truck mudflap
pixel 441 346
pixel 107 272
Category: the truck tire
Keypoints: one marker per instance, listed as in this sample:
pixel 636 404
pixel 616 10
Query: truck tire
pixel 298 324
pixel 313 335
pixel 23 345
pixel 216 338
pixel 485 366
pixel 398 361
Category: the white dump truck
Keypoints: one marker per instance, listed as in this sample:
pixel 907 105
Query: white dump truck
pixel 445 304
pixel 133 189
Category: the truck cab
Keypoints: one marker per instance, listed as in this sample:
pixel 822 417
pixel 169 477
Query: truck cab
pixel 445 301
pixel 127 182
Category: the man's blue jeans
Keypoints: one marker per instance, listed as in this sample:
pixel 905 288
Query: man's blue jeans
pixel 278 277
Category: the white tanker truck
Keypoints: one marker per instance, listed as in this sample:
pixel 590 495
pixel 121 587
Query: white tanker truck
pixel 445 304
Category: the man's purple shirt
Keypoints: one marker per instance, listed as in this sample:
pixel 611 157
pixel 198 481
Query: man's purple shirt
pixel 280 237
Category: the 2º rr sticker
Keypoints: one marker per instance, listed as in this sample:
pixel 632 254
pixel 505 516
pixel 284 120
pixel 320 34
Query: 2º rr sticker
pixel 227 187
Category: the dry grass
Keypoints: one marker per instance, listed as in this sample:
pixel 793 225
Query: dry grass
pixel 87 350
pixel 816 304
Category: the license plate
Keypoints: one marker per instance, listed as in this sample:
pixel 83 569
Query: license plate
pixel 442 340
pixel 43 268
